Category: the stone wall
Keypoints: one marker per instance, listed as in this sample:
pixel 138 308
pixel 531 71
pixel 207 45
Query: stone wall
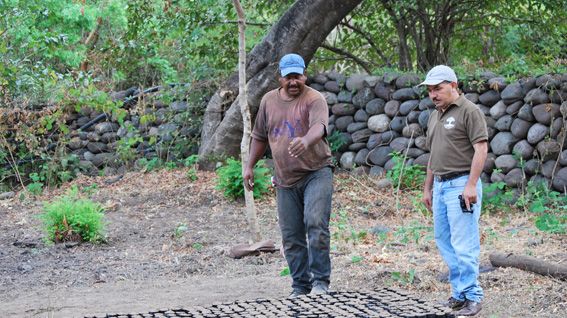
pixel 527 123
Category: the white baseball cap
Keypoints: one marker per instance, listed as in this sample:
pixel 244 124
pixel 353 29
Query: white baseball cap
pixel 439 74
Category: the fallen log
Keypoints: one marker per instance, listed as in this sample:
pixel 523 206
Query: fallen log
pixel 530 264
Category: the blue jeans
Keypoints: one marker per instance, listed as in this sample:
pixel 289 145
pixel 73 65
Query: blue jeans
pixel 457 237
pixel 304 211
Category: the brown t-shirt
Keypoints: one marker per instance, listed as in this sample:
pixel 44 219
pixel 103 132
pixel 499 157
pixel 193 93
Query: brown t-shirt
pixel 279 121
pixel 452 134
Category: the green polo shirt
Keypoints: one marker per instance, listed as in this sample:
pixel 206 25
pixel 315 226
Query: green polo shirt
pixel 451 135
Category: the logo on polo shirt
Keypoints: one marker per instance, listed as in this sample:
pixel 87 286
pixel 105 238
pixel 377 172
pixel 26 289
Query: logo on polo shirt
pixel 449 123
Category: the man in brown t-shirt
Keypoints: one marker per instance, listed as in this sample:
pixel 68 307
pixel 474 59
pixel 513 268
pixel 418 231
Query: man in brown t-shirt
pixel 457 139
pixel 293 120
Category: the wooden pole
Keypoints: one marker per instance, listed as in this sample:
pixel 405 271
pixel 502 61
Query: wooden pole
pixel 246 118
pixel 530 264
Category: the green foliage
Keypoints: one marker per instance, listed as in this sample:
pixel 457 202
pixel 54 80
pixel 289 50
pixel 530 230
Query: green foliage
pixel 72 218
pixel 403 176
pixel 285 272
pixel 336 141
pixel 356 259
pixel 404 278
pixel 413 233
pixel 149 165
pixel 180 229
pixel 230 179
pixel 548 206
pixel 344 231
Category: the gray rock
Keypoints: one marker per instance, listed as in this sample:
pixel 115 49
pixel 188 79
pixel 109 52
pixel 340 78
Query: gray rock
pixel 109 137
pixel 97 147
pixel 76 143
pixel 563 158
pixel 536 96
pixel 377 171
pixel 105 127
pixel 379 123
pixel 557 97
pixel 383 90
pixel 525 113
pixel 178 106
pixel 347 160
pixel 560 181
pixel 556 127
pixel 330 98
pixel 343 109
pixel 421 143
pixel 7 195
pixel 392 108
pixel 332 86
pixel 502 143
pixel 536 133
pixel 342 122
pixel 384 184
pixel 371 81
pixel 407 80
pixel 404 94
pixel 390 78
pixel 424 119
pixel 398 123
pixel 512 93
pixel 484 109
pixel 414 152
pixel 375 106
pixel 88 156
pixel 545 113
pixel 506 163
pixel 154 131
pixel 317 87
pixel 413 117
pixel 357 146
pixel 523 149
pixel 548 150
pixel 320 79
pixel 514 178
pixel 355 127
pixel 380 155
pixel 409 105
pixel 547 168
pixel 361 116
pixel 473 97
pixel 489 163
pixel 361 171
pixel 361 136
pixel 122 131
pixel 490 122
pixel 532 167
pixel 504 123
pixel 548 82
pixel 491 133
pixel 344 97
pixel 498 110
pixel 363 96
pixel 332 119
pixel 520 128
pixel 426 103
pixel 497 83
pixel 489 98
pixel 497 177
pixel 103 159
pixel 400 144
pixel 360 158
pixel 374 141
pixel 389 165
pixel 412 131
pixel 389 135
pixel 422 160
pixel 337 77
pixel 355 82
pixel 514 108
pixel 346 139
pixel 539 179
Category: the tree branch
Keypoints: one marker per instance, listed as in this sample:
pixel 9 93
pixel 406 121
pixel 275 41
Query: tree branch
pixel 365 65
pixel 368 39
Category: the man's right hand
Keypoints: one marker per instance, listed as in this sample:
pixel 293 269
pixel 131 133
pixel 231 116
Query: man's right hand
pixel 427 195
pixel 248 179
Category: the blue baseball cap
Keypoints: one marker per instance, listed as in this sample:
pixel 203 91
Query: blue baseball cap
pixel 291 63
pixel 439 74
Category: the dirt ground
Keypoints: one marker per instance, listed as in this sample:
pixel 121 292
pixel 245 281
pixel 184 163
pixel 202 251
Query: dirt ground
pixel 168 237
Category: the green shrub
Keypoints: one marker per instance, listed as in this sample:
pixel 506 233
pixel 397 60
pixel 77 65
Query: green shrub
pixel 336 141
pixel 406 177
pixel 230 179
pixel 72 218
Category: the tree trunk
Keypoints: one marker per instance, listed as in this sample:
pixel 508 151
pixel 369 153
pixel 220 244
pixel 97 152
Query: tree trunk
pixel 302 29
pixel 247 122
pixel 528 263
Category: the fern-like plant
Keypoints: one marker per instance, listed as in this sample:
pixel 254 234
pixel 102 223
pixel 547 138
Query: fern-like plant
pixel 230 179
pixel 73 218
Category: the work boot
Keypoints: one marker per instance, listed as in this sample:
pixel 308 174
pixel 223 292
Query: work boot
pixel 471 308
pixel 296 292
pixel 453 303
pixel 319 288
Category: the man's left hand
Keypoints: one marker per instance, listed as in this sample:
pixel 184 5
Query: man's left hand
pixel 469 194
pixel 297 147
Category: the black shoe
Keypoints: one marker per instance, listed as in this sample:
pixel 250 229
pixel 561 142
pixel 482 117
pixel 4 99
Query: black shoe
pixel 453 303
pixel 297 292
pixel 471 308
pixel 320 288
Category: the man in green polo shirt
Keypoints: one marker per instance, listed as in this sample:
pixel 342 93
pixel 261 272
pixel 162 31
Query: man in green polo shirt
pixel 457 139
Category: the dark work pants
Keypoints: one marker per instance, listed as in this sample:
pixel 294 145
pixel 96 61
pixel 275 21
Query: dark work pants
pixel 304 211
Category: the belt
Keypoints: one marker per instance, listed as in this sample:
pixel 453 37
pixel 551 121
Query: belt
pixel 451 176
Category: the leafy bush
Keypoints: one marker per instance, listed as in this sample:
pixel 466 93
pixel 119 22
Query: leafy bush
pixel 230 179
pixel 72 218
pixel 548 206
pixel 406 177
pixel 336 141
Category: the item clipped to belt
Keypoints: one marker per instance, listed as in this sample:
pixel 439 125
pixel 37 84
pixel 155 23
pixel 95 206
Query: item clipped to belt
pixel 451 176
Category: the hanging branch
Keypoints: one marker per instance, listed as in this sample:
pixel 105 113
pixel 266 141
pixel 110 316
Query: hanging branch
pixel 365 65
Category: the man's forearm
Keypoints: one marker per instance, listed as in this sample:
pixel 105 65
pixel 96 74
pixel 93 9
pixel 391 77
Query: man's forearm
pixel 428 184
pixel 477 165
pixel 315 133
pixel 257 150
